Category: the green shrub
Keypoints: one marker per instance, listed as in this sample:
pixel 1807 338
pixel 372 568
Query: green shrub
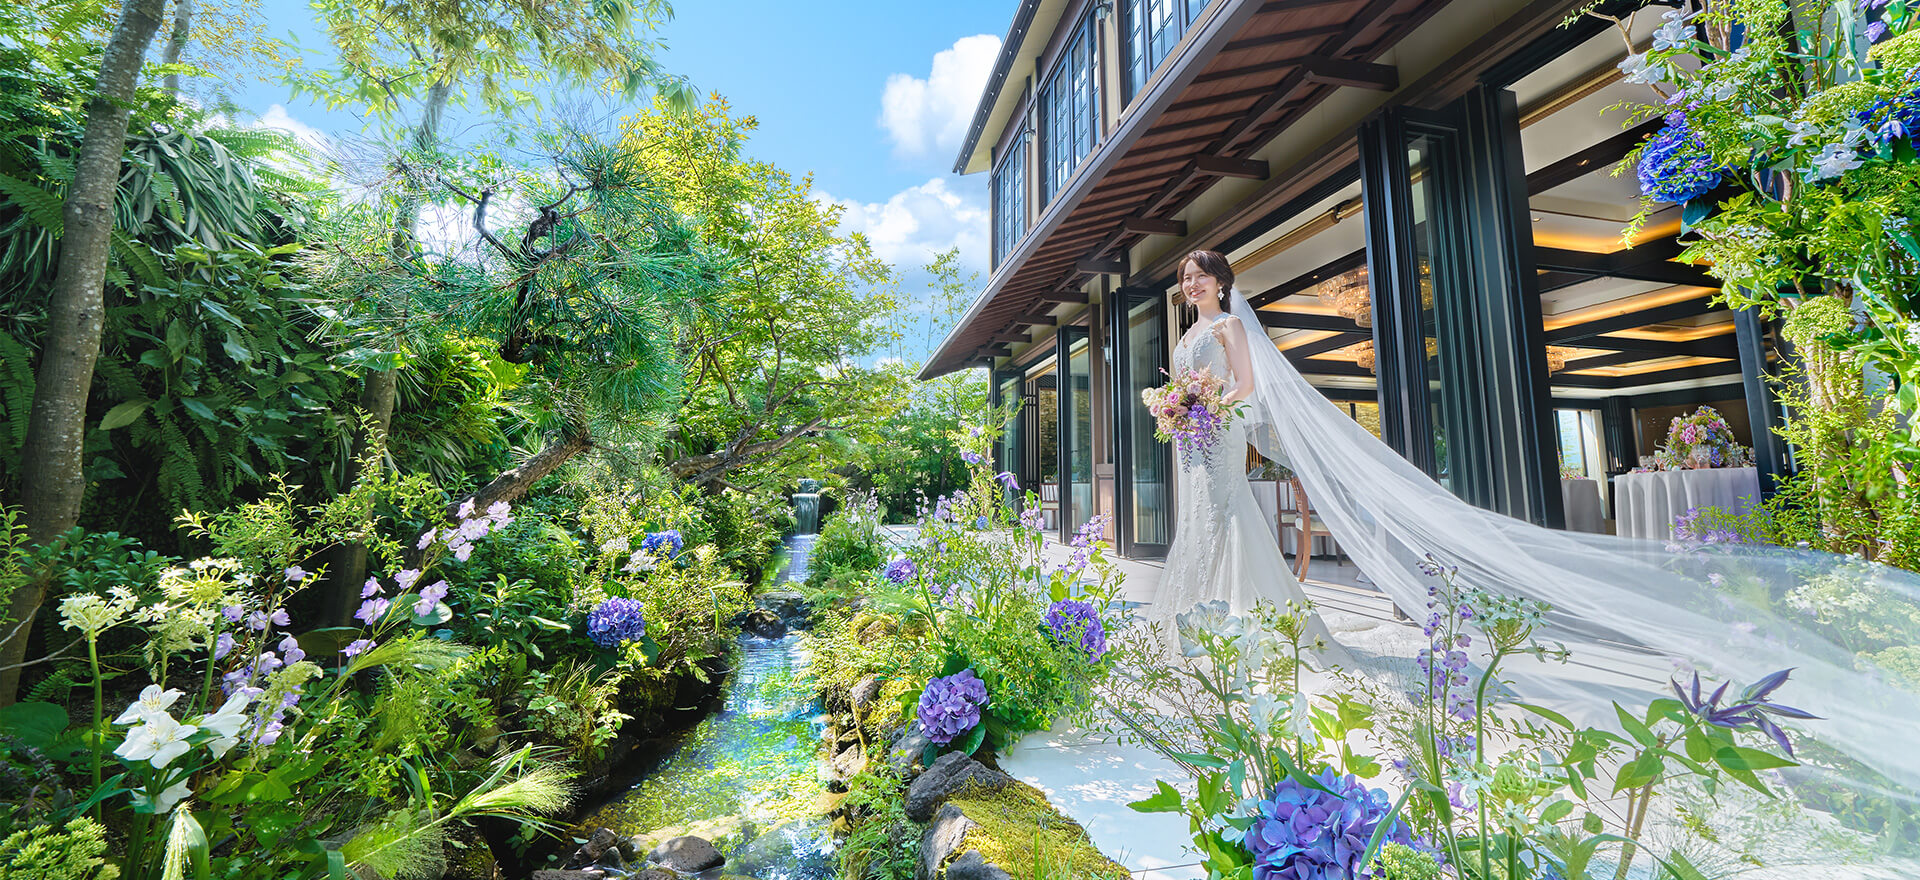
pixel 849 550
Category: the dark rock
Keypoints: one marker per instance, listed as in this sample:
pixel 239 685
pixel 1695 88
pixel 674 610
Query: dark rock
pixel 789 605
pixel 596 848
pixel 764 623
pixel 864 692
pixel 848 763
pixel 952 774
pixel 942 837
pixel 971 865
pixel 655 874
pixel 688 855
pixel 906 751
pixel 567 874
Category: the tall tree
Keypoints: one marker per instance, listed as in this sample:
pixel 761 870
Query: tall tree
pixel 51 484
pixel 427 58
pixel 780 372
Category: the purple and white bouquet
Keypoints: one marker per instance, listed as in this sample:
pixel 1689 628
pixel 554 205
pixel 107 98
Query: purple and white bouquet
pixel 1190 411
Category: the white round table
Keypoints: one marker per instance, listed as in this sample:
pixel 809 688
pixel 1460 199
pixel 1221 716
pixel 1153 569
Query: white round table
pixel 1645 504
pixel 1580 498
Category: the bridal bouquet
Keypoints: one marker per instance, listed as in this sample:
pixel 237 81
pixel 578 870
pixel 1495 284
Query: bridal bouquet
pixel 1702 439
pixel 1190 411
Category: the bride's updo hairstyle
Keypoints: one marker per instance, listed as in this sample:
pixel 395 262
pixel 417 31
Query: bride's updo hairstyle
pixel 1212 264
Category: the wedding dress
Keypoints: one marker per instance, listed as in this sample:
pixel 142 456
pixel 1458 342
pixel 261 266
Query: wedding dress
pixel 1222 547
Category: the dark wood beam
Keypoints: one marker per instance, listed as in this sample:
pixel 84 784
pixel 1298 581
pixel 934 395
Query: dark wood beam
pixel 1290 5
pixel 1331 343
pixel 1712 346
pixel 1138 225
pixel 1637 380
pixel 998 350
pixel 1247 70
pixel 1222 98
pixel 1591 159
pixel 1223 166
pixel 1684 309
pixel 1292 286
pixel 1092 266
pixel 1648 262
pixel 1325 30
pixel 1326 367
pixel 1604 360
pixel 1064 296
pixel 1303 321
pixel 1356 74
pixel 1039 321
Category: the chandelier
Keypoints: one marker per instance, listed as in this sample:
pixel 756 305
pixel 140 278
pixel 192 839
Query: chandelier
pixel 1349 294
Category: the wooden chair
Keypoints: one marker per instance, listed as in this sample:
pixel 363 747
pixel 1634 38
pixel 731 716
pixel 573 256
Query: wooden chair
pixel 1306 524
pixel 1049 504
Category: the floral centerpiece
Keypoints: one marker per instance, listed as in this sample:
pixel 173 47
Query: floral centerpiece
pixel 1190 410
pixel 1701 440
pixel 1789 144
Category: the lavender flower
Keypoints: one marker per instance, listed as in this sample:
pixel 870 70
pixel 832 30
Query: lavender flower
pixel 1071 620
pixel 1007 479
pixel 899 570
pixel 372 610
pixel 1749 711
pixel 1303 833
pixel 290 649
pixel 972 458
pixel 950 706
pixel 1676 166
pixel 371 588
pixel 617 621
pixel 357 647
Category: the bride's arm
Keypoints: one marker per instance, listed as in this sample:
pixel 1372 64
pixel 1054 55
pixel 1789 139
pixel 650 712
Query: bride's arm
pixel 1233 337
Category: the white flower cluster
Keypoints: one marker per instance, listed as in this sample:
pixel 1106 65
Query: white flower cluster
pixel 158 739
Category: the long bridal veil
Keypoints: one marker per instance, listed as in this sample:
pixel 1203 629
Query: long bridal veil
pixel 1633 611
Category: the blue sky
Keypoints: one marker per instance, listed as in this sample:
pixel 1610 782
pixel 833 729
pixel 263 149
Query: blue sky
pixel 871 97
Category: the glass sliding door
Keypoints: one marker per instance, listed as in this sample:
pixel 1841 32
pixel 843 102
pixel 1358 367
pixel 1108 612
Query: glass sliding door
pixel 1143 485
pixel 1010 453
pixel 1075 436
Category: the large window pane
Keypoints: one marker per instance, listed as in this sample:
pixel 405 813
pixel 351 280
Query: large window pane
pixel 1070 111
pixel 1146 353
pixel 1009 201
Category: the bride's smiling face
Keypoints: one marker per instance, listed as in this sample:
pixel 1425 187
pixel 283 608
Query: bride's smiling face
pixel 1197 286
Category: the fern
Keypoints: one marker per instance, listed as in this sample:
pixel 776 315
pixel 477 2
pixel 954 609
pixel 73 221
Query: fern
pixel 40 206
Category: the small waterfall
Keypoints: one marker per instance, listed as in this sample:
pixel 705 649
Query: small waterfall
pixel 806 508
pixel 746 770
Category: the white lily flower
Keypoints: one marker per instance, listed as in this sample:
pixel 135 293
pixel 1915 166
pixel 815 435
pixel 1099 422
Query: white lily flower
pixel 1300 725
pixel 152 701
pixel 1833 161
pixel 173 794
pixel 1637 70
pixel 229 718
pixel 159 741
pixel 1265 710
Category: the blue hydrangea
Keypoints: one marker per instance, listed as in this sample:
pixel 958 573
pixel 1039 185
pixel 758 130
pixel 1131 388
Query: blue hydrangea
pixel 1889 122
pixel 1303 833
pixel 1071 619
pixel 1676 166
pixel 899 570
pixel 950 706
pixel 668 542
pixel 616 621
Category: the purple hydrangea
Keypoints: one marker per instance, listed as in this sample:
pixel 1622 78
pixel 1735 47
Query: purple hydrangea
pixel 1071 619
pixel 668 542
pixel 616 621
pixel 899 570
pixel 1676 166
pixel 1303 833
pixel 950 706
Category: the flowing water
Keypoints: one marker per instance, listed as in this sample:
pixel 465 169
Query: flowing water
pixel 746 777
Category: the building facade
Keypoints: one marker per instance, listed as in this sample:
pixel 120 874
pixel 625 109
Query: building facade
pixel 1417 196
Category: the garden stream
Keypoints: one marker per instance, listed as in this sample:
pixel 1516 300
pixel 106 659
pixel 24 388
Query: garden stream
pixel 746 777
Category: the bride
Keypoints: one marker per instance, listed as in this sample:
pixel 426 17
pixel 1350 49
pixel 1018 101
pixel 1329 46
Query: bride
pixel 1222 548
pixel 1632 611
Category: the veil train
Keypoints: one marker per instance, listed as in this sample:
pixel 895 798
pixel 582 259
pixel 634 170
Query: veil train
pixel 1644 608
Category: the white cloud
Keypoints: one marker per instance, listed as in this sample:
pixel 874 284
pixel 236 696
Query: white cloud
pixel 932 114
pixel 277 117
pixel 910 227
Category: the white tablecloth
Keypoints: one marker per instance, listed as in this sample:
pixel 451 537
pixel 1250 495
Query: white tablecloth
pixel 1645 504
pixel 1581 500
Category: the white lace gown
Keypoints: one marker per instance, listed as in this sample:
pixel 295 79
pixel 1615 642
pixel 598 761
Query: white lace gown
pixel 1222 546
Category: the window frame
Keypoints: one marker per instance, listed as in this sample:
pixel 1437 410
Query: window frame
pixel 1076 70
pixel 1009 226
pixel 1138 37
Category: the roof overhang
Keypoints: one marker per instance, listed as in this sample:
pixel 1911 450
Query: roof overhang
pixel 1244 72
pixel 1019 50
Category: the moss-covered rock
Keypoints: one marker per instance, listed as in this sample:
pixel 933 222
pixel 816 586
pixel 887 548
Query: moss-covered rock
pixel 1015 829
